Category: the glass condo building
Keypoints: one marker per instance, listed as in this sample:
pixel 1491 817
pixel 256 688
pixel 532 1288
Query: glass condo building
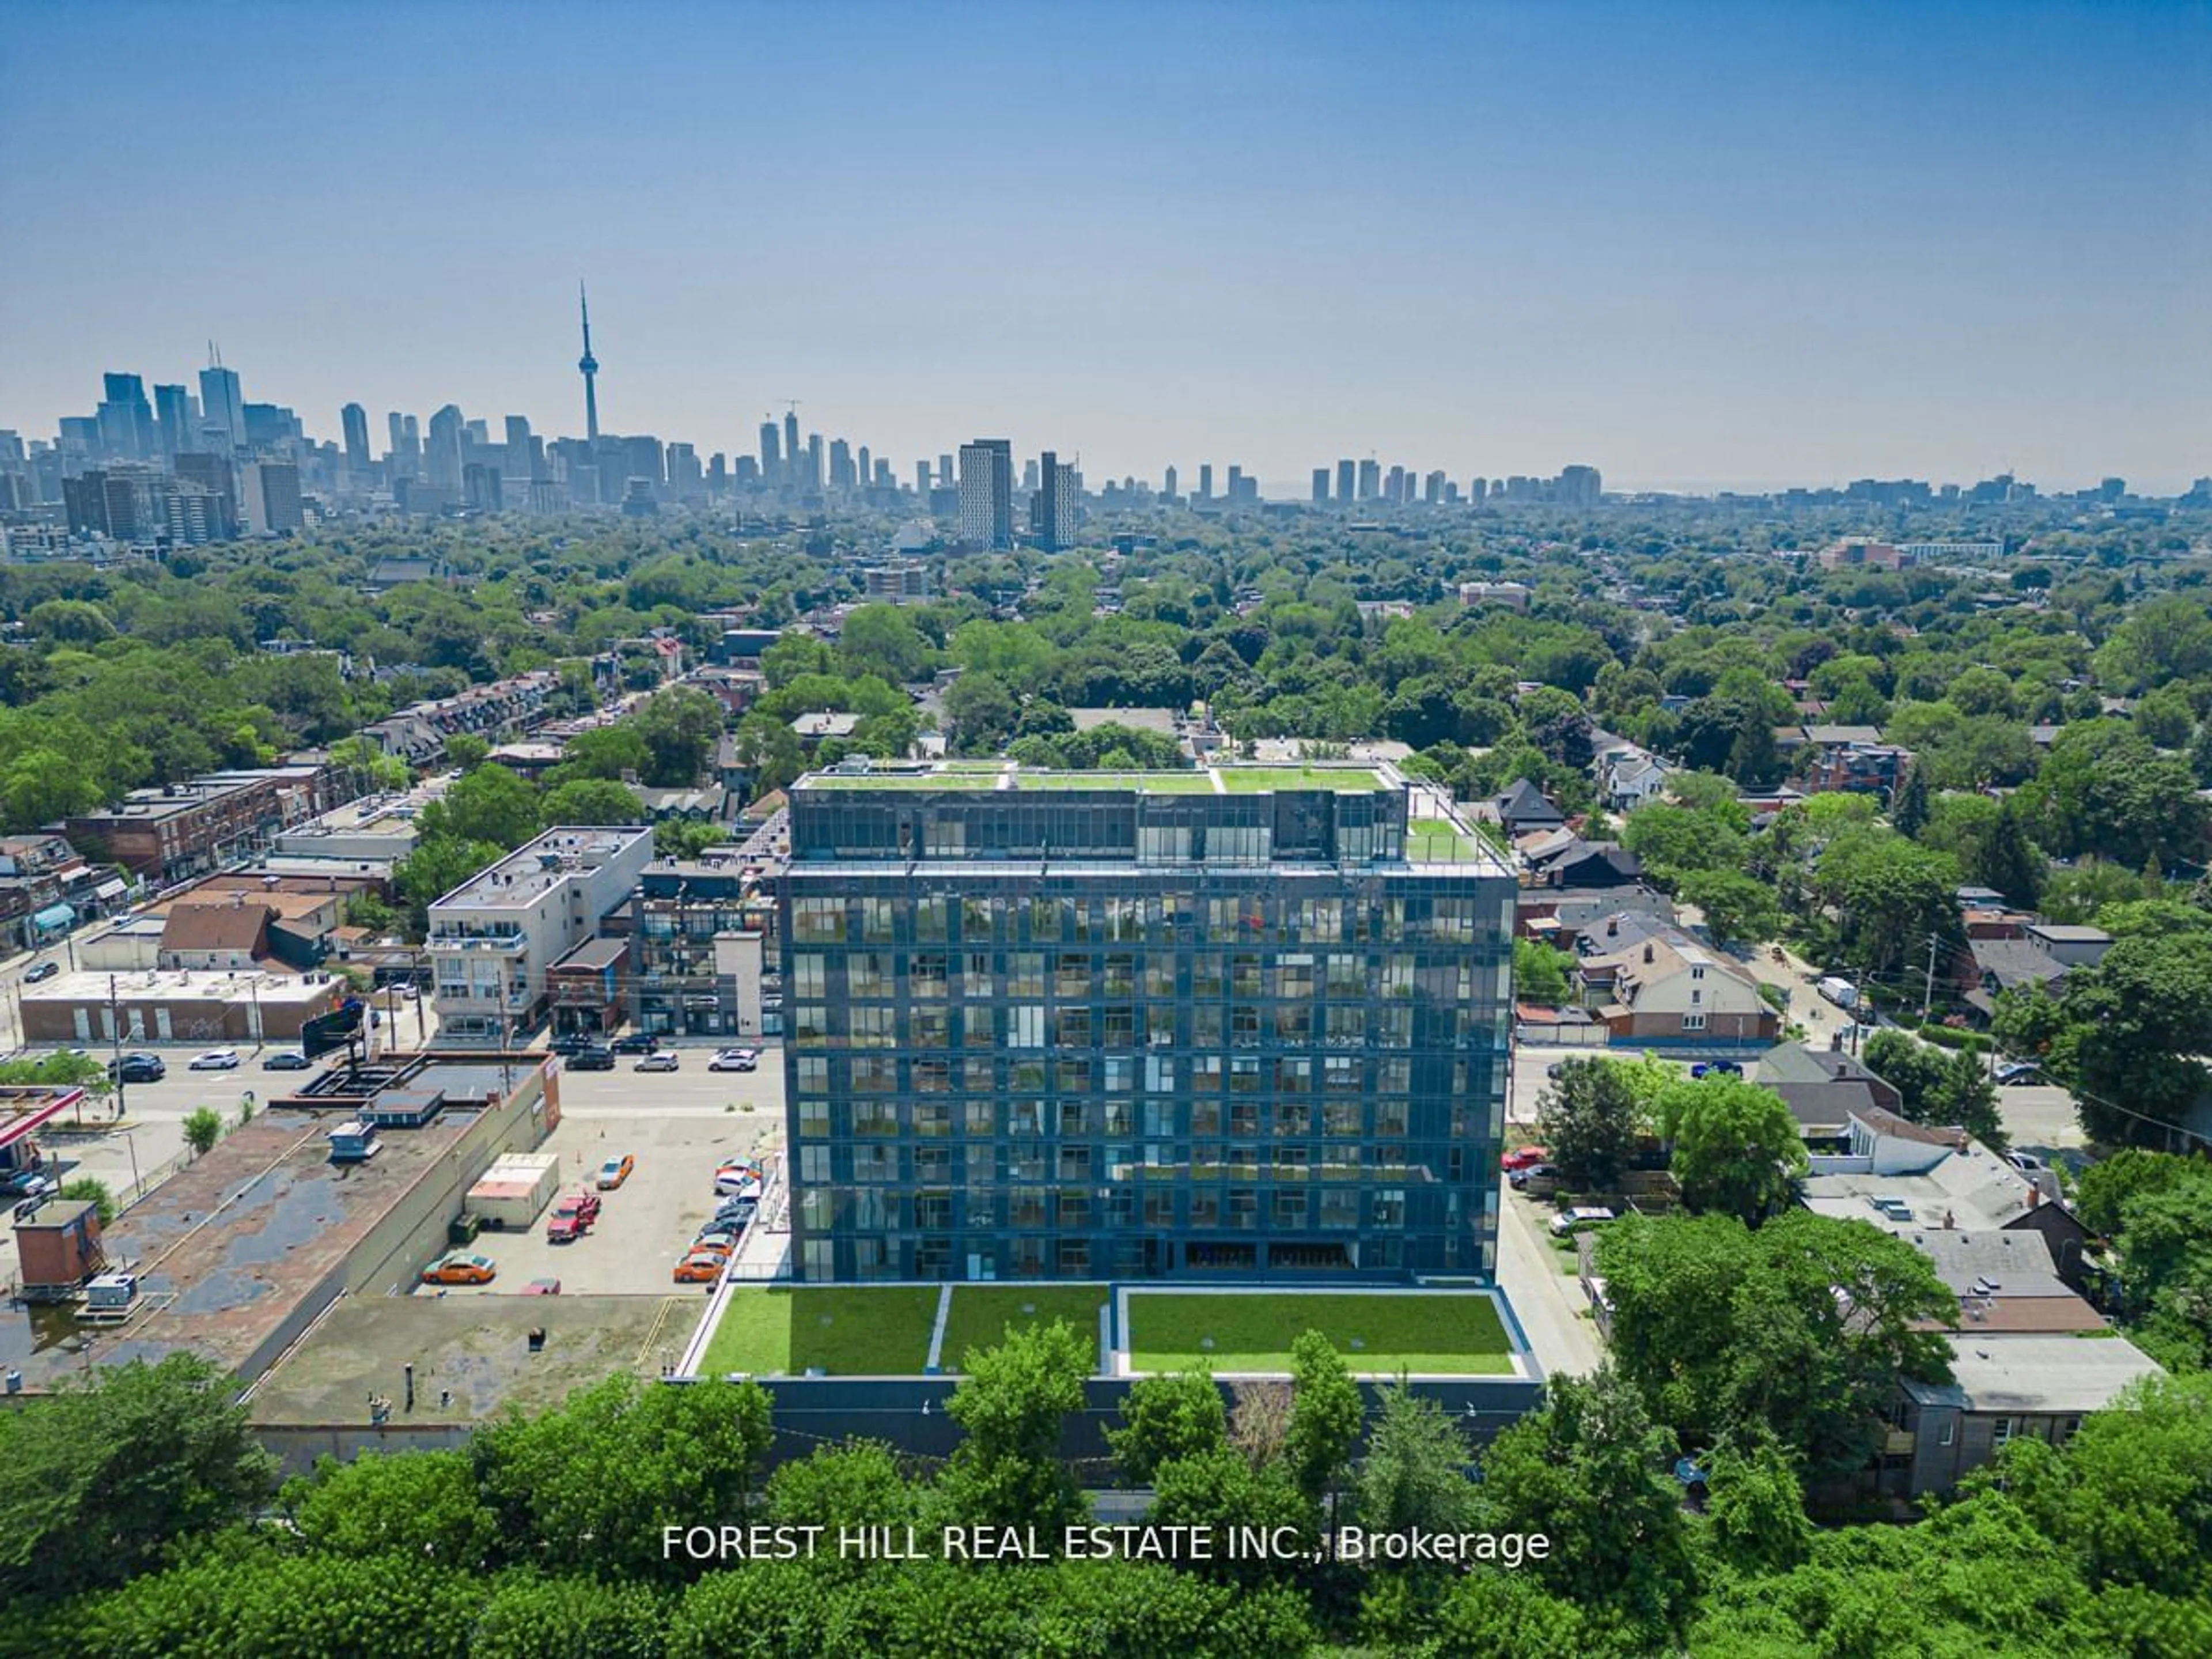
pixel 1236 1022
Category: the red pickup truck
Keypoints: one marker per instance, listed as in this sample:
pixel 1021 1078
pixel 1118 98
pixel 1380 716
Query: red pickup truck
pixel 573 1213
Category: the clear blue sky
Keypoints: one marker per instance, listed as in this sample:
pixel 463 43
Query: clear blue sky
pixel 1690 244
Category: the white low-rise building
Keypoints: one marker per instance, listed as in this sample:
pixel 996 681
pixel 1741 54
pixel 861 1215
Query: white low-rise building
pixel 493 937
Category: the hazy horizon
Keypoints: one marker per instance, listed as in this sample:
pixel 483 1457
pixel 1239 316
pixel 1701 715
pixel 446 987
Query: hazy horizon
pixel 1781 245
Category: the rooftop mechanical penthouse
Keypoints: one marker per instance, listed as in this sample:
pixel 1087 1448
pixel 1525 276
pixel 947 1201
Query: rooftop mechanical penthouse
pixel 1238 1022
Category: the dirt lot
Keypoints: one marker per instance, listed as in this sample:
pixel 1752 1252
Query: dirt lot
pixel 644 1225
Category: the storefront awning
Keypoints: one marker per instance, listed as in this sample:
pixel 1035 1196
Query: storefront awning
pixel 53 918
pixel 111 889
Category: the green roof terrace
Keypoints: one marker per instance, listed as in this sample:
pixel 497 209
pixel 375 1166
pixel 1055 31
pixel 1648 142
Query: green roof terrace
pixel 1219 779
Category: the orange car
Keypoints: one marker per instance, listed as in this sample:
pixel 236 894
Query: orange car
pixel 460 1268
pixel 615 1171
pixel 700 1267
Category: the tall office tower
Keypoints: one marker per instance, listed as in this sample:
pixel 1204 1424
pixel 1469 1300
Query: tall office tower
pixel 885 478
pixel 718 473
pixel 1370 479
pixel 1236 484
pixel 223 404
pixel 921 478
pixel 791 436
pixel 212 473
pixel 126 419
pixel 1394 484
pixel 442 463
pixel 771 454
pixel 1346 481
pixel 1579 486
pixel 1052 509
pixel 685 480
pixel 1478 490
pixel 518 447
pixel 943 471
pixel 1167 485
pixel 1204 490
pixel 1432 488
pixel 268 498
pixel 1132 1029
pixel 1029 477
pixel 1320 484
pixel 405 455
pixel 842 475
pixel 986 493
pixel 814 463
pixel 643 459
pixel 173 415
pixel 353 421
pixel 864 470
pixel 482 488
pixel 588 367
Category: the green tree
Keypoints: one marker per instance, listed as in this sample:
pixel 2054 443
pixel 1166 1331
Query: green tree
pixel 1223 1491
pixel 857 1482
pixel 1590 1117
pixel 465 751
pixel 424 1506
pixel 1539 973
pixel 1908 812
pixel 1887 893
pixel 1965 1096
pixel 376 769
pixel 491 804
pixel 203 1128
pixel 603 751
pixel 105 1480
pixel 1415 1472
pixel 592 801
pixel 1012 1402
pixel 1325 1416
pixel 883 639
pixel 1756 1503
pixel 1165 1418
pixel 1590 1472
pixel 1913 1068
pixel 682 727
pixel 1736 1146
pixel 983 713
pixel 91 1189
pixel 686 838
pixel 1737 909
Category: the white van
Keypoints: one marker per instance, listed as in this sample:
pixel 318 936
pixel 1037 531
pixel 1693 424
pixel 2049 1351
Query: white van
pixel 1573 1221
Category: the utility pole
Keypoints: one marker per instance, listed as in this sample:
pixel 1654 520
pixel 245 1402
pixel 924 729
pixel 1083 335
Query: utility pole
pixel 1858 1008
pixel 115 1033
pixel 1928 996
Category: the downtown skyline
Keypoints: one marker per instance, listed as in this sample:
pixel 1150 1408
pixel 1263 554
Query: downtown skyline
pixel 1746 250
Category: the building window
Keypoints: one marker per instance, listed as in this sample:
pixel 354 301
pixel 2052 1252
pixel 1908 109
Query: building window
pixel 1693 1021
pixel 2004 1429
pixel 1950 1431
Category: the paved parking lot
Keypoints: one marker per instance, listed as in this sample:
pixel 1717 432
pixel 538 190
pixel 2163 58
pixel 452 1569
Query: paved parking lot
pixel 678 1127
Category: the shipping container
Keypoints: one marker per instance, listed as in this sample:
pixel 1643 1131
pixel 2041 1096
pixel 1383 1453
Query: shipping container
pixel 513 1193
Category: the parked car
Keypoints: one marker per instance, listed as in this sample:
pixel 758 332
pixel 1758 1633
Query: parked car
pixel 584 1202
pixel 1522 1157
pixel 44 970
pixel 712 1239
pixel 615 1171
pixel 700 1267
pixel 2026 1163
pixel 564 1227
pixel 137 1068
pixel 636 1042
pixel 736 1213
pixel 216 1059
pixel 29 1183
pixel 461 1268
pixel 592 1060
pixel 571 1042
pixel 735 1059
pixel 2018 1071
pixel 664 1062
pixel 542 1287
pixel 1519 1179
pixel 287 1059
pixel 737 1184
pixel 1717 1068
pixel 1573 1221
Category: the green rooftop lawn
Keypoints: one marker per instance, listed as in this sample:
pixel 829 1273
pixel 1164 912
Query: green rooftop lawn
pixel 1434 842
pixel 1145 783
pixel 981 1313
pixel 1438 1333
pixel 1258 780
pixel 848 1330
pixel 974 777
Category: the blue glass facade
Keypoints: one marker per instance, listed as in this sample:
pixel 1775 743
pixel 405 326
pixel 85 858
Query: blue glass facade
pixel 1133 1030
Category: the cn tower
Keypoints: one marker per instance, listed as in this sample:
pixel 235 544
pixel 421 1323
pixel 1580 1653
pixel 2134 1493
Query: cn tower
pixel 590 366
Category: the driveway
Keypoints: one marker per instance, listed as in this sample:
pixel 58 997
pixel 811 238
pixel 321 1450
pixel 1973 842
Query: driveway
pixel 1548 1302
